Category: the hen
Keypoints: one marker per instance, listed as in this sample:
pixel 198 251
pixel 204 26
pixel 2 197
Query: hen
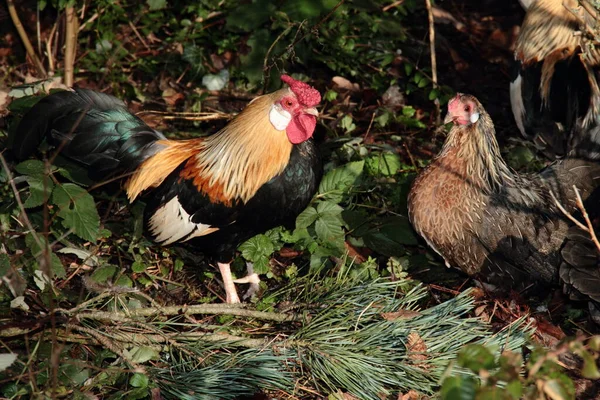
pixel 258 172
pixel 555 88
pixel 491 222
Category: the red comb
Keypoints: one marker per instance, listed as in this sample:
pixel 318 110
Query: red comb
pixel 306 94
pixel 454 103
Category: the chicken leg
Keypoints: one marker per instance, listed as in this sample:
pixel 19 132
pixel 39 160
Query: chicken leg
pixel 229 283
pixel 230 292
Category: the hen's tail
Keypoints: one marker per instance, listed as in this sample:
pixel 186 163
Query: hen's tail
pixel 89 127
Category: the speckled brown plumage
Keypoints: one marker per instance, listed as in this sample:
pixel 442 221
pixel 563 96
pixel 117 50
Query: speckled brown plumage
pixel 489 221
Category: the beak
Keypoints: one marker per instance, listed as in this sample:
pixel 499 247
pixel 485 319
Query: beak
pixel 311 111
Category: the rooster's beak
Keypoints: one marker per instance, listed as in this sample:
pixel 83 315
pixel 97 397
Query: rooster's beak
pixel 311 111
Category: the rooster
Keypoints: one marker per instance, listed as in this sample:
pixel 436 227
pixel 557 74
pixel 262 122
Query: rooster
pixel 555 89
pixel 505 227
pixel 258 172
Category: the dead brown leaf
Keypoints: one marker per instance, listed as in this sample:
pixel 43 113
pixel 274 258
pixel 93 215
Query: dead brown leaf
pixel 416 347
pixel 400 314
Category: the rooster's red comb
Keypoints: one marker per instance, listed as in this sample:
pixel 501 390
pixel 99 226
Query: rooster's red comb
pixel 306 94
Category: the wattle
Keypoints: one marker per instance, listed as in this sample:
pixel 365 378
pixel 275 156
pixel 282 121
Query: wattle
pixel 301 128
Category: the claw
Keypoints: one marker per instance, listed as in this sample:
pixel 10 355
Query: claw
pixel 252 278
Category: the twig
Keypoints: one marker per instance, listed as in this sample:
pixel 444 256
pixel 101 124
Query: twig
pixel 393 5
pixel 23 35
pixel 586 217
pixel 212 309
pixel 70 45
pixel 433 58
pixel 566 213
pixel 149 339
pixel 139 36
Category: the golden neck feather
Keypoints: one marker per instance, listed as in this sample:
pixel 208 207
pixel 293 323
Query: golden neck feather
pixel 231 164
pixel 246 153
pixel 475 146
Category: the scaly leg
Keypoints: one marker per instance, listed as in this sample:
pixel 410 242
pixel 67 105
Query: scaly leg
pixel 231 293
pixel 252 278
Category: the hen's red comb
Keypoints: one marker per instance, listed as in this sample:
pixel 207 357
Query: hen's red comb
pixel 455 102
pixel 306 94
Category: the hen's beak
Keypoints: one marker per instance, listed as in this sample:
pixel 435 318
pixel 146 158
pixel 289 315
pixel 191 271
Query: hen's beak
pixel 311 111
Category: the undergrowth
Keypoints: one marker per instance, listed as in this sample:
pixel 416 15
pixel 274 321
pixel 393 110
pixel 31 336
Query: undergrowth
pixel 91 307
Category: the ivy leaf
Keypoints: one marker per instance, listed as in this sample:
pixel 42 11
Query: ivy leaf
pixel 338 182
pixel 78 211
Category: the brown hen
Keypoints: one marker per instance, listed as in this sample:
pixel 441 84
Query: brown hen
pixel 491 222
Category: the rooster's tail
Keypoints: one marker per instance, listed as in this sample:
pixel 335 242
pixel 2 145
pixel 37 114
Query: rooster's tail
pixel 89 127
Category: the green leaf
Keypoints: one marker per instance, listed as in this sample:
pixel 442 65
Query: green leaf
pixel 138 266
pixel 141 354
pixel 515 389
pixel 329 208
pixel 40 189
pixel 346 124
pixel 35 168
pixel 256 247
pixel 307 217
pixel 250 16
pixel 390 237
pixel 476 357
pixel 261 266
pixel 139 381
pixel 329 228
pixel 104 274
pixel 78 211
pixel 338 182
pixel 590 369
pixel 555 389
pixel 156 4
pixel 458 388
pixel 386 164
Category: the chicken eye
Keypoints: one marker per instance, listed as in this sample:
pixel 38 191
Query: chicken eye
pixel 289 103
pixel 467 108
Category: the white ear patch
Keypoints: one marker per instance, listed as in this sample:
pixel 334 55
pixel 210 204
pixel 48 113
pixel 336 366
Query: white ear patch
pixel 279 117
pixel 474 117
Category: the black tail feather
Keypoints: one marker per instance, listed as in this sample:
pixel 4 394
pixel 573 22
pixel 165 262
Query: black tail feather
pixel 92 128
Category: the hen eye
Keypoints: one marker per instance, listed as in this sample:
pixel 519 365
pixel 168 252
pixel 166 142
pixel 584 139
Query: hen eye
pixel 467 108
pixel 288 103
